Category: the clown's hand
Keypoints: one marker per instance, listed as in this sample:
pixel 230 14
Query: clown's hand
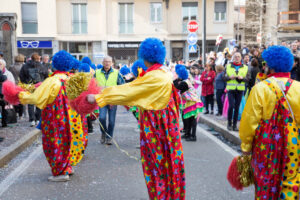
pixel 91 98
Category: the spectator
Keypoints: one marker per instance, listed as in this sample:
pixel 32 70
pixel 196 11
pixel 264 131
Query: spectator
pixel 236 75
pixel 227 59
pixel 256 54
pixel 1 55
pixel 295 51
pixel 46 62
pixel 107 77
pixel 197 82
pixel 33 72
pixel 211 62
pixel 220 87
pixel 4 74
pixel 295 72
pixel 253 73
pixel 207 78
pixel 246 60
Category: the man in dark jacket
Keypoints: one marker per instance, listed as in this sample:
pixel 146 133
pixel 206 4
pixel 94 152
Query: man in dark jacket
pixel 33 72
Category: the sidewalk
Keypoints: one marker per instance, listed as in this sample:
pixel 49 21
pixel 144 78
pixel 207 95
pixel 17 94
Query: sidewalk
pixel 219 124
pixel 17 137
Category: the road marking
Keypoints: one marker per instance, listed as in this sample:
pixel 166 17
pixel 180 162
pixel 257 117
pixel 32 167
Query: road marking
pixel 216 140
pixel 13 176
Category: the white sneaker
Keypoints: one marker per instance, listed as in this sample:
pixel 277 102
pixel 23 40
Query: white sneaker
pixel 32 123
pixel 61 178
pixel 37 122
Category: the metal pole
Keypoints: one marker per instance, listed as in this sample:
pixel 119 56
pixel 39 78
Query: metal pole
pixel 203 32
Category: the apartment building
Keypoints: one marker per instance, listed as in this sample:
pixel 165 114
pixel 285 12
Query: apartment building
pixel 96 28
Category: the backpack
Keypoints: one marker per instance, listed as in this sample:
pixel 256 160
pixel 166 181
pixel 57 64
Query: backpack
pixel 270 152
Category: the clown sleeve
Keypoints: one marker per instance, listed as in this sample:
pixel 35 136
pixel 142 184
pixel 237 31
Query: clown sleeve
pixel 45 94
pixel 251 117
pixel 150 92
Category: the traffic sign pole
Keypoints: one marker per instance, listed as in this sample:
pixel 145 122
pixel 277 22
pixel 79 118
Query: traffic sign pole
pixel 204 33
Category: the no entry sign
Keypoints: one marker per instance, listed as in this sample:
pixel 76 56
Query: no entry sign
pixel 192 26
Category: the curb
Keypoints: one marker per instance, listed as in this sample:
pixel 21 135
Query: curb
pixel 13 150
pixel 229 135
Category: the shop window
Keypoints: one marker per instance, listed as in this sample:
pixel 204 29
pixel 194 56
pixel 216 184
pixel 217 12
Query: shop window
pixel 189 12
pixel 79 18
pixel 220 11
pixel 29 18
pixel 156 12
pixel 126 18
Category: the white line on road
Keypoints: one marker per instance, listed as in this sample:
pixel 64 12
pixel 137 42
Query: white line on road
pixel 216 140
pixel 13 176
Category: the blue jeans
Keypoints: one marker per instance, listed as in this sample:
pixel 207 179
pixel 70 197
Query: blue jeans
pixel 112 111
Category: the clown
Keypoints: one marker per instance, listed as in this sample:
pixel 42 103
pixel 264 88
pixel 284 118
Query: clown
pixel 155 95
pixel 269 131
pixel 62 127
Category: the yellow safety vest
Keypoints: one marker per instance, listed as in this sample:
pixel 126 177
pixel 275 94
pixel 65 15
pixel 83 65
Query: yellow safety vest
pixel 111 81
pixel 234 84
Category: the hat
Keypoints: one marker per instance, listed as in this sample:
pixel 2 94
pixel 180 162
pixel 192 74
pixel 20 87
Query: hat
pixel 181 71
pixel 62 61
pixel 136 65
pixel 84 67
pixel 152 50
pixel 124 70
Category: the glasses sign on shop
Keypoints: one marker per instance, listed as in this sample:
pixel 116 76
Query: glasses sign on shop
pixel 34 44
pixel 192 37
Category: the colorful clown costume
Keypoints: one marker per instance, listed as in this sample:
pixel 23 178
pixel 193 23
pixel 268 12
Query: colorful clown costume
pixel 62 128
pixel 161 149
pixel 268 129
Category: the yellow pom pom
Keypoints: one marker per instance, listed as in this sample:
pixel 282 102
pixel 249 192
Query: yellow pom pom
pixel 27 87
pixel 77 84
pixel 245 169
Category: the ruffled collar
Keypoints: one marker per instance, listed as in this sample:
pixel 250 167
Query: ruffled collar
pixel 152 68
pixel 280 75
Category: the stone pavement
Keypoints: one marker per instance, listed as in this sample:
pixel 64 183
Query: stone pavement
pixel 107 174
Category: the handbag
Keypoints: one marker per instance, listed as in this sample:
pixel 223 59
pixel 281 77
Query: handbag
pixel 11 114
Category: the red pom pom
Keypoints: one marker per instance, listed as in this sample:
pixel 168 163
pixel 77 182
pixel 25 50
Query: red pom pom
pixel 38 84
pixel 11 92
pixel 233 175
pixel 81 105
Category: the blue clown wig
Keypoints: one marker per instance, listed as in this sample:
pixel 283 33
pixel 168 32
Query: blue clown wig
pixel 99 66
pixel 84 67
pixel 182 72
pixel 75 64
pixel 138 64
pixel 152 50
pixel 279 58
pixel 87 60
pixel 124 70
pixel 62 61
pixel 93 66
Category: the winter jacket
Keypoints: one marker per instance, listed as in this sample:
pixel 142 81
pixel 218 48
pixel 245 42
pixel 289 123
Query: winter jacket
pixel 295 73
pixel 220 83
pixel 15 70
pixel 2 79
pixel 33 72
pixel 207 79
pixel 253 74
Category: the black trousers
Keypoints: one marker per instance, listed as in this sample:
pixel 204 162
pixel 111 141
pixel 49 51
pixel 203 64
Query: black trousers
pixel 89 123
pixel 190 126
pixel 219 101
pixel 34 113
pixel 209 100
pixel 234 99
pixel 19 109
pixel 3 113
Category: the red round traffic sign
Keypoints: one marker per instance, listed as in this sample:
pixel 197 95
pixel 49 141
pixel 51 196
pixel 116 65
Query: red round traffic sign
pixel 192 26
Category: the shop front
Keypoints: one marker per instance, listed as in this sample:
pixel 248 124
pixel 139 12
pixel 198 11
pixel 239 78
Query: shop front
pixel 123 52
pixel 27 47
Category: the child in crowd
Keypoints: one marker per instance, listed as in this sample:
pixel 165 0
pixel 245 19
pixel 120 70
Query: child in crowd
pixel 220 87
pixel 207 78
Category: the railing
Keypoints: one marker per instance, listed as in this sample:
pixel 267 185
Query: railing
pixel 289 18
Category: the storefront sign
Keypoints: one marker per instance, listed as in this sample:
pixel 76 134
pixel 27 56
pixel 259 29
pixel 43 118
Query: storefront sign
pixel 34 44
pixel 123 45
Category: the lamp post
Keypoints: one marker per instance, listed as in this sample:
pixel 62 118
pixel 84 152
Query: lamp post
pixel 203 32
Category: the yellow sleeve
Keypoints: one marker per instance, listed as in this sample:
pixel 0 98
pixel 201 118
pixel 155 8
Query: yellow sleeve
pixel 150 92
pixel 252 114
pixel 45 94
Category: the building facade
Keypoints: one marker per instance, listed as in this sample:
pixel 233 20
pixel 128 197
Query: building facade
pixel 96 28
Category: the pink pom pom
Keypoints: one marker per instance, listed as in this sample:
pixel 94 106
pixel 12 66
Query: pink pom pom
pixel 37 84
pixel 11 92
pixel 233 175
pixel 81 105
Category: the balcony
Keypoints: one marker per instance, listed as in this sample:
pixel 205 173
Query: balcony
pixel 289 21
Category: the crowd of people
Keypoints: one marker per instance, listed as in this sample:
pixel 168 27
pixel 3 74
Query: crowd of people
pixel 158 93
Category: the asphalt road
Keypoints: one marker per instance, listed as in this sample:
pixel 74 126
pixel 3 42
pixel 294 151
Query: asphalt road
pixel 107 174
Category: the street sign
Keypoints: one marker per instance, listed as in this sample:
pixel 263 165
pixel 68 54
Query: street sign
pixel 193 48
pixel 192 26
pixel 192 38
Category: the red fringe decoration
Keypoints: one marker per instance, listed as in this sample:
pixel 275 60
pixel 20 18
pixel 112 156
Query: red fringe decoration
pixel 81 105
pixel 233 175
pixel 11 92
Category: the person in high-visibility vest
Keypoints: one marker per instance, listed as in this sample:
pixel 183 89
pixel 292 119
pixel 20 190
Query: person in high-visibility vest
pixel 237 75
pixel 108 77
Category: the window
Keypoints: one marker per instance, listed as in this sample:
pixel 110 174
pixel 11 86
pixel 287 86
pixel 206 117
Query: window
pixel 126 18
pixel 29 18
pixel 156 12
pixel 220 11
pixel 79 18
pixel 189 12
